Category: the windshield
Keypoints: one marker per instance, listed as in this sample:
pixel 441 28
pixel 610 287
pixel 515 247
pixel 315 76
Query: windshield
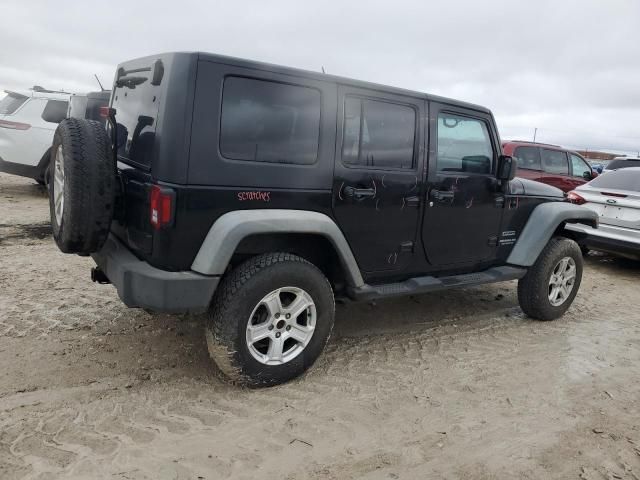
pixel 11 102
pixel 619 180
pixel 623 163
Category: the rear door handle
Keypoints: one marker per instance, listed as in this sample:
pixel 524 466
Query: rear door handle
pixel 354 192
pixel 441 195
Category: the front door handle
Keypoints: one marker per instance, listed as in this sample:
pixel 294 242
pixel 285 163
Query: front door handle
pixel 441 195
pixel 358 193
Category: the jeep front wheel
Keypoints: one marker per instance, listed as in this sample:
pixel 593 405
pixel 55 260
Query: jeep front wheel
pixel 551 284
pixel 270 319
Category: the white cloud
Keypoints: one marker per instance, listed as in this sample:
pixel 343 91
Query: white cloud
pixel 568 67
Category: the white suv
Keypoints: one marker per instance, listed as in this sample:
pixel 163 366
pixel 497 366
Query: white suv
pixel 28 120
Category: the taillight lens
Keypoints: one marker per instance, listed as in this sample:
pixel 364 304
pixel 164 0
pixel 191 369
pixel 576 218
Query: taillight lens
pixel 14 125
pixel 573 197
pixel 161 206
pixel 106 112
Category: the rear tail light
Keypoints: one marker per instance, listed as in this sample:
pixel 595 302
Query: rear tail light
pixel 14 125
pixel 573 197
pixel 162 206
pixel 107 112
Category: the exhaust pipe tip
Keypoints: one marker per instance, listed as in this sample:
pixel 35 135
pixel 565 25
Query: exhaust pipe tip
pixel 99 276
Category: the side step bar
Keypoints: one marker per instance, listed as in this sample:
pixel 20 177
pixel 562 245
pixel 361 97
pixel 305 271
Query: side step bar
pixel 431 284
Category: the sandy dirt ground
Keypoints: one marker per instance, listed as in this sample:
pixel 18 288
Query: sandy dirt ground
pixel 449 385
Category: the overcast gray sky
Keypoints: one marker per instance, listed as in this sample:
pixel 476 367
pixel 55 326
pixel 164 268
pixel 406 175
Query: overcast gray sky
pixel 569 67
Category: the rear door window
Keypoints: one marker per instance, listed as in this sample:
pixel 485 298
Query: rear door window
pixel 578 166
pixel 55 111
pixel 464 145
pixel 554 162
pixel 528 158
pixel 265 121
pixel 11 102
pixel 378 134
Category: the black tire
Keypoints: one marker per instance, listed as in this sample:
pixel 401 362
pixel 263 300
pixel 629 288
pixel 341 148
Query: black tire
pixel 89 186
pixel 242 291
pixel 534 287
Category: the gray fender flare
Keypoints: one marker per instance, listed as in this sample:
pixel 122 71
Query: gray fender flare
pixel 231 228
pixel 542 223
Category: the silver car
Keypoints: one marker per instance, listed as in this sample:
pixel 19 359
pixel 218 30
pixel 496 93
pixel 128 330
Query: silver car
pixel 616 198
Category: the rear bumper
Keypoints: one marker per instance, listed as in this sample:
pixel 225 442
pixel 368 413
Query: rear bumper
pixel 608 238
pixel 141 285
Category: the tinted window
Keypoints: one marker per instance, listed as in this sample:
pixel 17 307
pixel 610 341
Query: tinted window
pixel 579 166
pixel 269 122
pixel 618 180
pixel 528 158
pixel 55 111
pixel 464 145
pixel 554 161
pixel 11 102
pixel 378 134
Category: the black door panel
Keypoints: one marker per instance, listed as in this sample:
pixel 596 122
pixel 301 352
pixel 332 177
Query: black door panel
pixel 377 190
pixel 464 199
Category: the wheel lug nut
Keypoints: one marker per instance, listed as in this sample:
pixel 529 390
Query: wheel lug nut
pixel 270 327
pixel 288 327
pixel 277 315
pixel 288 315
pixel 277 334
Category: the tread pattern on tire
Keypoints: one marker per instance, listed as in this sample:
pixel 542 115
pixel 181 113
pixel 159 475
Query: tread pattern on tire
pixel 218 337
pixel 89 186
pixel 533 286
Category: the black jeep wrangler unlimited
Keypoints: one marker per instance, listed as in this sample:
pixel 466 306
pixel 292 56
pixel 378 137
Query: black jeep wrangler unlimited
pixel 256 192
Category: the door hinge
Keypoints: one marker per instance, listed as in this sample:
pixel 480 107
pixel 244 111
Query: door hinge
pixel 493 241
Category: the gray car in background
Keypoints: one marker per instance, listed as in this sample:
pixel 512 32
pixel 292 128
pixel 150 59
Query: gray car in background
pixel 615 197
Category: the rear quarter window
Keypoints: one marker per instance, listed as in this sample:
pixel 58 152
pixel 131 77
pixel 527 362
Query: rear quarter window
pixel 11 102
pixel 264 121
pixel 55 111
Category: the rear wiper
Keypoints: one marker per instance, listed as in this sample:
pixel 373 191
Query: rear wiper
pixel 130 82
pixel 124 79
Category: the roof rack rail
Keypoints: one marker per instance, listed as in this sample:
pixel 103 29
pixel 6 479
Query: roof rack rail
pixel 39 89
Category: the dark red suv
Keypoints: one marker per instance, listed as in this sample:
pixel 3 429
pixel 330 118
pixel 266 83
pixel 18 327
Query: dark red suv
pixel 550 164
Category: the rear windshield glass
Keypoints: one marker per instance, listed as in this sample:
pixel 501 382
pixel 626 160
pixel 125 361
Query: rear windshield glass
pixel 615 164
pixel 618 180
pixel 11 102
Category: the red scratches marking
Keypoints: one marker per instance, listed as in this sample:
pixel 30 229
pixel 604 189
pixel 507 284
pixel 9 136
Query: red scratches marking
pixel 256 196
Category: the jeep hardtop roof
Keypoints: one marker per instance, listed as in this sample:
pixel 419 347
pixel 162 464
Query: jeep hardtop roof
pixel 322 77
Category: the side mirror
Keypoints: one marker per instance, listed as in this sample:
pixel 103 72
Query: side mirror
pixel 507 167
pixel 587 175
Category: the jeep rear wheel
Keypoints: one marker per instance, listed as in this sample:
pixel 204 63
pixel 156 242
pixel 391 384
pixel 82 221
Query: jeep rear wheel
pixel 81 186
pixel 270 319
pixel 551 284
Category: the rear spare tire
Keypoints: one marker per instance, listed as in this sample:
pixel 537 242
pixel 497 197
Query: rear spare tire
pixel 82 186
